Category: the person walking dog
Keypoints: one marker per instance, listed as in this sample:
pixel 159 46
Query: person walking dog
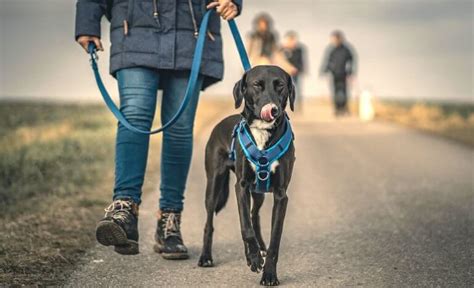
pixel 152 46
pixel 340 61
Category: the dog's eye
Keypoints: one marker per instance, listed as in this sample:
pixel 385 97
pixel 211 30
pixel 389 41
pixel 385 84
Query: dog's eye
pixel 279 84
pixel 257 84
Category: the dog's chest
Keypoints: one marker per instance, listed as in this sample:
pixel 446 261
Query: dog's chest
pixel 261 134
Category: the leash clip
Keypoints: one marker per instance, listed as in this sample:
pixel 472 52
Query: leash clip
pixel 93 52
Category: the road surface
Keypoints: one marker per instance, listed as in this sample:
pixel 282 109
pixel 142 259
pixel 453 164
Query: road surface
pixel 370 205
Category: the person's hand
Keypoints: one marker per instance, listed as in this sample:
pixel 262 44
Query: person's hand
pixel 85 39
pixel 226 8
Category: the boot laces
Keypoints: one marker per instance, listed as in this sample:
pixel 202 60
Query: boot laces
pixel 119 208
pixel 171 225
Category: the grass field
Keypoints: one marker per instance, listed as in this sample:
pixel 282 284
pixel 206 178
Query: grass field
pixel 56 177
pixel 54 163
pixel 454 121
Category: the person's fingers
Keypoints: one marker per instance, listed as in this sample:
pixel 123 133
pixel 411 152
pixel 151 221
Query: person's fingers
pixel 220 9
pixel 230 15
pixel 84 45
pixel 226 14
pixel 83 41
pixel 212 5
pixel 233 12
pixel 98 44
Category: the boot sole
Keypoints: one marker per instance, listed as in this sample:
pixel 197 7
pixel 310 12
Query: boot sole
pixel 170 256
pixel 109 233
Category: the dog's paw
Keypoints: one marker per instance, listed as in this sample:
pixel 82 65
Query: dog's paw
pixel 205 261
pixel 255 262
pixel 269 279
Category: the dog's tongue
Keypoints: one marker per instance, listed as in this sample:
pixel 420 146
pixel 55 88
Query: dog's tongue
pixel 266 113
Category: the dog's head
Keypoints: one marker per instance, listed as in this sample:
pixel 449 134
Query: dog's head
pixel 266 90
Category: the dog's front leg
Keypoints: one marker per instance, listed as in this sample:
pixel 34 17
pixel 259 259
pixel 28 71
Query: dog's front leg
pixel 269 277
pixel 252 249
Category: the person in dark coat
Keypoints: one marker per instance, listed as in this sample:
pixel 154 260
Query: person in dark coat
pixel 294 53
pixel 340 62
pixel 152 47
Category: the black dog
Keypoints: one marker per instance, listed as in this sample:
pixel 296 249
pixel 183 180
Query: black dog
pixel 266 90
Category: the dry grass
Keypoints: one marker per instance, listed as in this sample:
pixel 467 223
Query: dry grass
pixel 56 176
pixel 454 121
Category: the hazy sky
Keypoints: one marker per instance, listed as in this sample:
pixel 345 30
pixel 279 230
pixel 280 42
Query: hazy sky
pixel 407 49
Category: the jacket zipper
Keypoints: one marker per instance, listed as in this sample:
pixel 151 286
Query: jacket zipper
pixel 193 18
pixel 155 11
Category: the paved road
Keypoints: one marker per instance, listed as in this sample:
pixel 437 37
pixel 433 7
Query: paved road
pixel 371 205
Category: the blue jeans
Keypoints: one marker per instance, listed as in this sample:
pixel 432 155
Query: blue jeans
pixel 138 93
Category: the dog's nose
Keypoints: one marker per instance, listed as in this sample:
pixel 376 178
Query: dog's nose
pixel 269 112
pixel 274 111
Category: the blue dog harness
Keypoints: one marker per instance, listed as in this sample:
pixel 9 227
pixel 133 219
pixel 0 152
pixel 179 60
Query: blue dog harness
pixel 262 159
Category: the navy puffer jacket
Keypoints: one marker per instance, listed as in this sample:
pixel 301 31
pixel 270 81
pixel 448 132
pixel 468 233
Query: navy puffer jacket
pixel 159 34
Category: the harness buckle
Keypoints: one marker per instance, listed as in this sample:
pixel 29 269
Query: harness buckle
pixel 263 175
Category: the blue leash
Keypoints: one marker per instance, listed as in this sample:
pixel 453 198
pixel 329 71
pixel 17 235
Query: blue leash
pixel 195 67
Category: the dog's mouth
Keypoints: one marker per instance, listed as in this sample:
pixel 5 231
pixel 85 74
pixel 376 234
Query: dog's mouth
pixel 269 112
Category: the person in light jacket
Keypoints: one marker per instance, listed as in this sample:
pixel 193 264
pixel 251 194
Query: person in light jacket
pixel 152 47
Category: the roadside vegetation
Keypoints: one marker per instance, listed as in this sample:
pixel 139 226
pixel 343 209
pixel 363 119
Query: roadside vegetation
pixel 454 121
pixel 54 163
pixel 56 177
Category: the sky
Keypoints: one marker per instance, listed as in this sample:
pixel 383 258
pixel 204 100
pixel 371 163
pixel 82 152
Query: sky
pixel 407 49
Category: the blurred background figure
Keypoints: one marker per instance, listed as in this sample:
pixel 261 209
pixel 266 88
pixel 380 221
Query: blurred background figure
pixel 294 53
pixel 340 61
pixel 262 40
pixel 262 46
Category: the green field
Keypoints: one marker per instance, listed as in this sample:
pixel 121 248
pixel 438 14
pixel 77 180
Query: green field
pixel 54 161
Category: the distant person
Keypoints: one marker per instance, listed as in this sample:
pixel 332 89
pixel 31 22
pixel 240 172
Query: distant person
pixel 152 48
pixel 262 46
pixel 262 41
pixel 340 62
pixel 294 53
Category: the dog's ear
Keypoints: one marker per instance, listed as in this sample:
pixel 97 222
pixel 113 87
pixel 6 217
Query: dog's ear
pixel 239 91
pixel 291 93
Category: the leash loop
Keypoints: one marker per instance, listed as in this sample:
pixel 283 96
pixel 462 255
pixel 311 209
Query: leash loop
pixel 265 176
pixel 192 83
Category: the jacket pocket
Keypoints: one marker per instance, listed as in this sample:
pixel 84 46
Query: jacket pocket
pixel 119 14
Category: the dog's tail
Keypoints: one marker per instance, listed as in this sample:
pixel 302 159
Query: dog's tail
pixel 223 195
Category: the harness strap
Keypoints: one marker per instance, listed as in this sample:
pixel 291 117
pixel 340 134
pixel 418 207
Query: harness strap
pixel 262 159
pixel 192 83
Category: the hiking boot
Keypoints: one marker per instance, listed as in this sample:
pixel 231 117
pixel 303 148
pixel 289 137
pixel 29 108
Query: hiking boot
pixel 169 242
pixel 119 227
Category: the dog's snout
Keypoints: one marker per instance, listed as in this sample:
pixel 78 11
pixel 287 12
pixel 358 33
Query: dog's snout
pixel 269 112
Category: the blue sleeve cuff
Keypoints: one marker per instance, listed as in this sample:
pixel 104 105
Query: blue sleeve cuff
pixel 239 4
pixel 88 17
